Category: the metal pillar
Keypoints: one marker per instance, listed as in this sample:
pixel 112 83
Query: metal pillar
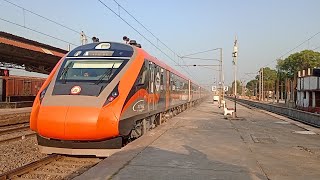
pixel 262 85
pixel 222 74
pixel 256 90
pixel 234 55
pixel 235 88
pixel 277 89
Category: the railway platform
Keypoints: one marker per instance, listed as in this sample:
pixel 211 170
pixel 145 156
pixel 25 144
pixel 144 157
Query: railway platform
pixel 201 144
pixel 14 116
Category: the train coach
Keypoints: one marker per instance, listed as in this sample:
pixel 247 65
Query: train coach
pixel 102 95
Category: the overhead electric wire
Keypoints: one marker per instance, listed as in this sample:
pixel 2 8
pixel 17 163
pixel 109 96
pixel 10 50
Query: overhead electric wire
pixel 209 68
pixel 55 22
pixel 143 36
pixel 308 39
pixel 203 59
pixel 316 48
pixel 39 32
pixel 158 40
pixel 300 44
pixel 119 5
pixel 200 52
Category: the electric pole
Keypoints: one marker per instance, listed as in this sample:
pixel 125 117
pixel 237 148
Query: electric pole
pixel 221 74
pixel 235 55
pixel 83 38
pixel 262 84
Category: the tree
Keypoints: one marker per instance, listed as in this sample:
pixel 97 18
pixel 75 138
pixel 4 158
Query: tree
pixel 251 85
pixel 269 78
pixel 298 61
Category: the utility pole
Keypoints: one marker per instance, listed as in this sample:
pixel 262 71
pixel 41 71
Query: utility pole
pixel 235 55
pixel 262 84
pixel 221 77
pixel 256 91
pixel 277 89
pixel 83 38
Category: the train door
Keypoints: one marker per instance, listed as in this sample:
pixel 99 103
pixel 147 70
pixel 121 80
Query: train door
pixel 151 87
pixel 168 89
pixel 172 89
pixel 157 85
pixel 26 87
pixel 163 88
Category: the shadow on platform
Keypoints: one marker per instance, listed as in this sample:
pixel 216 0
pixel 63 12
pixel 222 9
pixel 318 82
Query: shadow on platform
pixel 155 163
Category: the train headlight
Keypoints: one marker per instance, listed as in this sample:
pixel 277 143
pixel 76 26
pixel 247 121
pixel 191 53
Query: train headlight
pixel 103 46
pixel 113 95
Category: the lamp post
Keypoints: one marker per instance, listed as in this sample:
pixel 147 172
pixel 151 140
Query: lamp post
pixel 235 55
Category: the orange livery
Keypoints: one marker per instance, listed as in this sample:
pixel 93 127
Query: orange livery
pixel 104 94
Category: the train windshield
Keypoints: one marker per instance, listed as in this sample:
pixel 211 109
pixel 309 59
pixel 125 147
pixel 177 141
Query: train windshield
pixel 99 70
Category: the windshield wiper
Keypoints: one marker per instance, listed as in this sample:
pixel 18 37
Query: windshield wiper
pixel 65 72
pixel 105 74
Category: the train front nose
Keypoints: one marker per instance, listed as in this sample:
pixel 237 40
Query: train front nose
pixel 76 123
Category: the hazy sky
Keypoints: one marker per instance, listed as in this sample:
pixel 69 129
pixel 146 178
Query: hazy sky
pixel 265 29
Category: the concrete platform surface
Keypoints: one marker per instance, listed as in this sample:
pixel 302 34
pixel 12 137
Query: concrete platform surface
pixel 201 144
pixel 15 111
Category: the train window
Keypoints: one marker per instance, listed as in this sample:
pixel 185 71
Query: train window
pixel 162 79
pixel 157 79
pixel 141 80
pixel 173 83
pixel 90 69
pixel 151 76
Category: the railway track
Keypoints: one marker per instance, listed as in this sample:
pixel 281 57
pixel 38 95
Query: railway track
pixel 52 167
pixel 11 129
pixel 17 137
pixel 15 132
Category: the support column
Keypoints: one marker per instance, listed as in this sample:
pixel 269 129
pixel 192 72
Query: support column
pixel 277 90
pixel 281 91
pixel 313 99
pixel 260 87
pixel 298 98
pixel 307 99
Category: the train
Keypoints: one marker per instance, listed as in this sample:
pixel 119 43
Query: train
pixel 16 88
pixel 102 95
pixel 19 88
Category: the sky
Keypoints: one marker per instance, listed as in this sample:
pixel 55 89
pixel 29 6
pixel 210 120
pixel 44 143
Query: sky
pixel 266 30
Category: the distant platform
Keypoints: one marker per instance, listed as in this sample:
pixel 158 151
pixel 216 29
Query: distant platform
pixel 14 116
pixel 14 105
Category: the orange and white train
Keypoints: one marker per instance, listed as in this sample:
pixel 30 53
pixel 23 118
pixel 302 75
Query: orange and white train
pixel 102 95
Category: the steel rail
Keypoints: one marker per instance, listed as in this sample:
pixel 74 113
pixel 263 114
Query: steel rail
pixel 17 137
pixel 29 167
pixel 12 130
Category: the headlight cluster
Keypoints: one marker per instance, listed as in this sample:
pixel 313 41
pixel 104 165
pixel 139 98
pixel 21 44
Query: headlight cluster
pixel 113 95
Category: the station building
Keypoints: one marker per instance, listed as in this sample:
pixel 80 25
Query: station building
pixel 308 90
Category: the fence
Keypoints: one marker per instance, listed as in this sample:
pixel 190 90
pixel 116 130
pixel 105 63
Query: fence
pixel 302 116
